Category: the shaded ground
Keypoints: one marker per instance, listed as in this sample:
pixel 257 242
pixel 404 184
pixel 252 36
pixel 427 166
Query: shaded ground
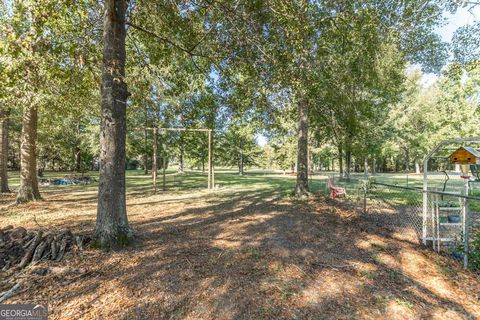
pixel 247 251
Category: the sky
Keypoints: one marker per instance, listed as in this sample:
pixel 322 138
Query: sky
pixel 461 18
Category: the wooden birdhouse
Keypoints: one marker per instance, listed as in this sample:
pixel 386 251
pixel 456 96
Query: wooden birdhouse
pixel 465 155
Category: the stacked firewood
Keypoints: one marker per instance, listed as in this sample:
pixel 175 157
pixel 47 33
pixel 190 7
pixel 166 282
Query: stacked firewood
pixel 20 248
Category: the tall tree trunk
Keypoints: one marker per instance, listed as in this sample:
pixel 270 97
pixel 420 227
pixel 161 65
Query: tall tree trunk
pixel 155 157
pixel 4 115
pixel 211 143
pixel 181 165
pixel 164 167
pixel 310 163
pixel 78 152
pixel 340 159
pixel 112 229
pixel 365 167
pixel 145 164
pixel 240 161
pixel 145 155
pixel 374 166
pixel 212 158
pixel 78 159
pixel 417 167
pixel 28 190
pixel 302 149
pixel 407 160
pixel 348 159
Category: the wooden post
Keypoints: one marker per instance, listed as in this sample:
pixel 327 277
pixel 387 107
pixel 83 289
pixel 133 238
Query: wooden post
pixel 211 171
pixel 209 159
pixel 154 160
pixel 164 165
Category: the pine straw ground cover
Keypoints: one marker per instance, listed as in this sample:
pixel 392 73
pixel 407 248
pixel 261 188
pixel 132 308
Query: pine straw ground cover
pixel 246 252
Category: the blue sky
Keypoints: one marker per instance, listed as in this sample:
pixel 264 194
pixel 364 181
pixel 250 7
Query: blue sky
pixel 461 18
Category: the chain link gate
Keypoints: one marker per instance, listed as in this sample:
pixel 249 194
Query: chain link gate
pixel 447 222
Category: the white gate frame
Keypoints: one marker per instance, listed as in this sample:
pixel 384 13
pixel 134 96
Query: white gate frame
pixel 425 180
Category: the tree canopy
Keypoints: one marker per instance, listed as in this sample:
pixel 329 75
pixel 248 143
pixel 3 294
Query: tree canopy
pixel 329 83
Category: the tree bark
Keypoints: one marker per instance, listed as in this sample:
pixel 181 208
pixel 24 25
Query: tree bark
pixel 145 155
pixel 181 165
pixel 240 161
pixel 78 160
pixel 164 167
pixel 78 151
pixel 112 229
pixel 302 149
pixel 211 162
pixel 417 167
pixel 28 190
pixel 348 161
pixel 145 164
pixel 340 160
pixel 374 166
pixel 365 167
pixel 407 160
pixel 4 115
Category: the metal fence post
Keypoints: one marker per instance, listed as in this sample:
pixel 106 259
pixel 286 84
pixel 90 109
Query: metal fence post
pixel 425 201
pixel 466 226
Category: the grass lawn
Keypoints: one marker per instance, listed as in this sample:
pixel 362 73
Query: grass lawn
pixel 245 251
pixel 436 182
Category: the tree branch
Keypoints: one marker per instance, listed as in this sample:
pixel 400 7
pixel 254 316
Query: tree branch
pixel 174 44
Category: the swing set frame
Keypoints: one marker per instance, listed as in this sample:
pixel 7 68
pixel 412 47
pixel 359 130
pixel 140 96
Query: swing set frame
pixel 156 131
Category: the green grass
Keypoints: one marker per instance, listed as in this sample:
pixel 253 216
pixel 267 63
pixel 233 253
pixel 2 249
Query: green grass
pixel 435 181
pixel 405 197
pixel 191 180
pixel 267 181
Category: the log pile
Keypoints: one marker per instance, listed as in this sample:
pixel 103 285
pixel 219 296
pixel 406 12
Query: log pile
pixel 20 248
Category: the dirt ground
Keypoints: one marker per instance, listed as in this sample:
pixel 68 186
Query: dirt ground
pixel 240 255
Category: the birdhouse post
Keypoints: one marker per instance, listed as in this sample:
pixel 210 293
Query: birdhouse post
pixel 465 156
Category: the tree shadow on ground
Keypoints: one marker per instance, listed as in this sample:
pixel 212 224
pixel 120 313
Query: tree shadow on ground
pixel 255 253
pixel 258 255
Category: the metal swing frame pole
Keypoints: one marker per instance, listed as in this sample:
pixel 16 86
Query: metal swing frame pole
pixel 211 170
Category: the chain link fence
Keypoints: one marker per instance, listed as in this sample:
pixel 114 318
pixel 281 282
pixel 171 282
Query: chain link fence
pixel 447 222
